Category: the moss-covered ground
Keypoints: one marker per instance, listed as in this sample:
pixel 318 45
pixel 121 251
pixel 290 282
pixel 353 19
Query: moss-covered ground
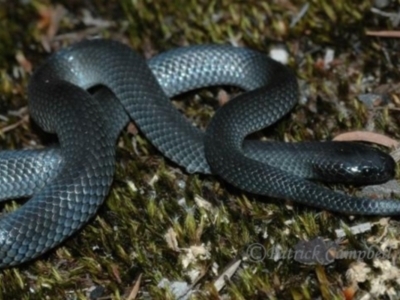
pixel 160 224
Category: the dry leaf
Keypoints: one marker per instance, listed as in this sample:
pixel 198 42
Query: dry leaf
pixel 219 283
pixel 367 136
pixel 135 290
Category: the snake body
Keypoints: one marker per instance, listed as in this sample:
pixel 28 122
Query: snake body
pixel 69 183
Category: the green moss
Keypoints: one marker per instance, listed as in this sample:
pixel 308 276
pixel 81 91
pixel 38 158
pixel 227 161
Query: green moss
pixel 151 196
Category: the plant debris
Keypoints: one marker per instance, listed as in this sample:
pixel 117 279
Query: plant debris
pixel 161 229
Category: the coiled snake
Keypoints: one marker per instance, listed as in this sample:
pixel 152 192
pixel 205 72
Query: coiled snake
pixel 69 183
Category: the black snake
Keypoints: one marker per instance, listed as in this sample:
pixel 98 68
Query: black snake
pixel 69 183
